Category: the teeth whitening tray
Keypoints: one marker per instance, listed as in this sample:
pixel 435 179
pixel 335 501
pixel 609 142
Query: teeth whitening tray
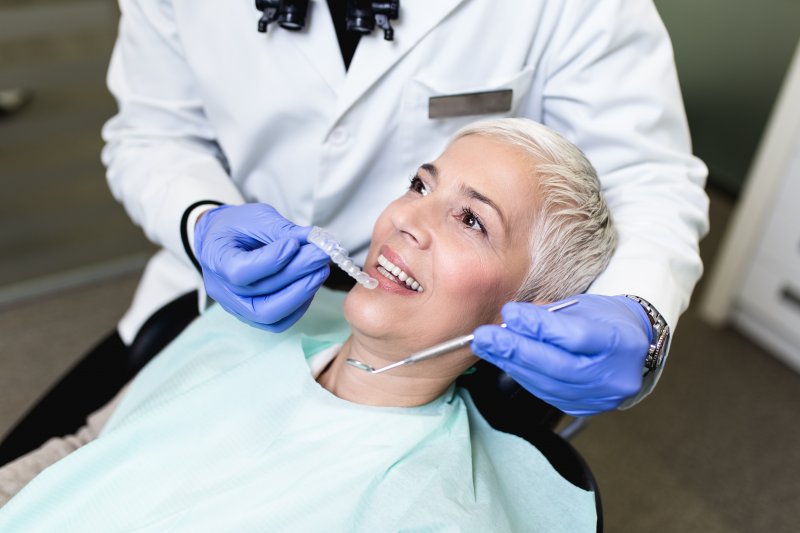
pixel 438 349
pixel 328 244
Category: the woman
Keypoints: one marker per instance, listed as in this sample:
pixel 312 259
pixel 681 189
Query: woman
pixel 233 428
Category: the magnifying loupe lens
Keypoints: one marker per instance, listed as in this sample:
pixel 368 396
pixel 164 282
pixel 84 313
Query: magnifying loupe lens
pixel 361 21
pixel 292 15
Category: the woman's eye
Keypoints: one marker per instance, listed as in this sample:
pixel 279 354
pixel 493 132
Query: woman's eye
pixel 471 220
pixel 418 186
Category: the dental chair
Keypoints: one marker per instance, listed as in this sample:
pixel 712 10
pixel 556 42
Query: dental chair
pixel 100 374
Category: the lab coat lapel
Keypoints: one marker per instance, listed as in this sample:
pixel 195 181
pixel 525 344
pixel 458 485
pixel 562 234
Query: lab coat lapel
pixel 318 43
pixel 375 56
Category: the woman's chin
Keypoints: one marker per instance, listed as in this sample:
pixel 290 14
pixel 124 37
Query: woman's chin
pixel 364 313
pixel 376 316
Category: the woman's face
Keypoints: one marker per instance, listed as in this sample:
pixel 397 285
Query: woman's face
pixel 461 232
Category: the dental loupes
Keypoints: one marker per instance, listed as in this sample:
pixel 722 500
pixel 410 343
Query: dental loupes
pixel 328 244
pixel 438 349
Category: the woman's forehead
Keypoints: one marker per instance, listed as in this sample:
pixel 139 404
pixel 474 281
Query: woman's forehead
pixel 498 170
pixel 478 156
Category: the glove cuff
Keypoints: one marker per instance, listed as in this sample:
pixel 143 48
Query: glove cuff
pixel 185 230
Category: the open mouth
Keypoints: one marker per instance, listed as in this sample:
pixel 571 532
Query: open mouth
pixel 389 270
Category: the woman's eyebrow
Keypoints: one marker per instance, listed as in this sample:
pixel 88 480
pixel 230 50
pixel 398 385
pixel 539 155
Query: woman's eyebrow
pixel 431 169
pixel 475 195
pixel 469 192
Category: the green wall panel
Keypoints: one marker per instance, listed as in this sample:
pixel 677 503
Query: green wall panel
pixel 732 56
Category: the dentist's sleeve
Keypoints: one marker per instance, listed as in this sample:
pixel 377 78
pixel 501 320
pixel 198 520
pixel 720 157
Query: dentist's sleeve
pixel 612 89
pixel 606 80
pixel 161 152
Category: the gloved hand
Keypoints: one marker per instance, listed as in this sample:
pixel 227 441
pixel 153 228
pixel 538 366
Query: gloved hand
pixel 583 359
pixel 258 265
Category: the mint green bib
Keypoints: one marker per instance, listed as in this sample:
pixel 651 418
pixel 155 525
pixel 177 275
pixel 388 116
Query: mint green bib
pixel 227 430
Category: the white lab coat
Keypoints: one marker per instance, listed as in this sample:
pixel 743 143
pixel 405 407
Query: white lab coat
pixel 212 109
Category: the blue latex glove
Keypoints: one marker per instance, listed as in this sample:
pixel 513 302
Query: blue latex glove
pixel 258 265
pixel 583 359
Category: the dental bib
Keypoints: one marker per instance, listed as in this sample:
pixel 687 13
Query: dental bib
pixel 227 430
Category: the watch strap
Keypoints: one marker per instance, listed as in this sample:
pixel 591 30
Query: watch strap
pixel 657 352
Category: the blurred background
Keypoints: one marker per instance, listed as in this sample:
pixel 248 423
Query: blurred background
pixel 716 448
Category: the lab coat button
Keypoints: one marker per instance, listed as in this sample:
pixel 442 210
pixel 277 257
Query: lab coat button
pixel 339 136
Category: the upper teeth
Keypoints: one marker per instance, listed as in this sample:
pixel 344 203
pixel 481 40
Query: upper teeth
pixel 395 273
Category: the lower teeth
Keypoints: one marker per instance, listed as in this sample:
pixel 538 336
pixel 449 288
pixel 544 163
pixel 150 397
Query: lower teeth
pixel 386 273
pixel 392 277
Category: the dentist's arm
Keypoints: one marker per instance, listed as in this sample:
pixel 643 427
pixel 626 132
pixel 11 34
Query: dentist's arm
pixel 162 153
pixel 166 166
pixel 612 89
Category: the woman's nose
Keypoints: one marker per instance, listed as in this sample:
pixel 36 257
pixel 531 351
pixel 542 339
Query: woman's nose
pixel 413 221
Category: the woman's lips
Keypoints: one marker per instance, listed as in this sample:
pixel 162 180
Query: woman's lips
pixel 393 269
pixel 397 274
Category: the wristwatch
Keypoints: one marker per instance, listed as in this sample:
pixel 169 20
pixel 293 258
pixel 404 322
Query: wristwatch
pixel 656 353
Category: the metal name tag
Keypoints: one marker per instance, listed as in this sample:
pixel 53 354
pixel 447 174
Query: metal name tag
pixel 460 105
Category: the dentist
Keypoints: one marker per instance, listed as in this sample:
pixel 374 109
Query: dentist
pixel 222 127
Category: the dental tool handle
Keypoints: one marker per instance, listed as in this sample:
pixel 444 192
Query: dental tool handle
pixel 429 353
pixel 441 348
pixel 446 346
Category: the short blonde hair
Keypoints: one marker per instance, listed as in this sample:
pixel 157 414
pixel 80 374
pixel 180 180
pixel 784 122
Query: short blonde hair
pixel 573 235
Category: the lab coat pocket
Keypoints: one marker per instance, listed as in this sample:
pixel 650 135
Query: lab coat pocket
pixel 453 106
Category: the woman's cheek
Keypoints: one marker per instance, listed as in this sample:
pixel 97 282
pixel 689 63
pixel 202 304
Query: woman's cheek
pixel 469 278
pixel 466 270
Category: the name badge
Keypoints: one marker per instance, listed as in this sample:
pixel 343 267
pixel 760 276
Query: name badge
pixel 461 105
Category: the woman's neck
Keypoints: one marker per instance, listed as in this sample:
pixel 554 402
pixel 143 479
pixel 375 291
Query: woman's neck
pixel 404 387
